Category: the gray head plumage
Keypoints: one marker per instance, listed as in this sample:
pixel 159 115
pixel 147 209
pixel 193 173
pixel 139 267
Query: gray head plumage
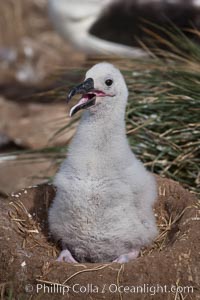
pixel 104 88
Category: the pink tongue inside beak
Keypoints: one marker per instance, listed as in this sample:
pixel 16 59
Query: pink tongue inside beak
pixel 86 98
pixel 83 100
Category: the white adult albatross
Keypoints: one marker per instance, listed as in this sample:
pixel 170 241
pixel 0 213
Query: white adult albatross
pixel 114 26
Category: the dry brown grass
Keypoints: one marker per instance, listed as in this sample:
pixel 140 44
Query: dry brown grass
pixel 28 228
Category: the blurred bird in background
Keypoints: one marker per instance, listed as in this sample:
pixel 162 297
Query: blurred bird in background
pixel 120 27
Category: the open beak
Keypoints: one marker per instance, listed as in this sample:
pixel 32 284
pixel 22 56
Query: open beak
pixel 88 98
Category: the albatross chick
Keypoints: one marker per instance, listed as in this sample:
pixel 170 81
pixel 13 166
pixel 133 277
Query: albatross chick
pixel 102 210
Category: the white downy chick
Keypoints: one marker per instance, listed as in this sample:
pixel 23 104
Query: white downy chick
pixel 103 209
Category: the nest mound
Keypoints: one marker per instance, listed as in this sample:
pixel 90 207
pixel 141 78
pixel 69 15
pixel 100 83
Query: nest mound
pixel 170 268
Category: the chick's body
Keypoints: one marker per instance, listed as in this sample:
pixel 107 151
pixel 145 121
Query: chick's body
pixel 104 199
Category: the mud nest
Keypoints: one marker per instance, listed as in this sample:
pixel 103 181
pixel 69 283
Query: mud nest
pixel 170 268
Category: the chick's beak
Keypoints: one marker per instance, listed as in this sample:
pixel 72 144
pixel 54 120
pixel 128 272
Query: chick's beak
pixel 83 88
pixel 88 98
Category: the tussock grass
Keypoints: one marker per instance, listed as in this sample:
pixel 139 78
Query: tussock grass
pixel 167 97
pixel 169 102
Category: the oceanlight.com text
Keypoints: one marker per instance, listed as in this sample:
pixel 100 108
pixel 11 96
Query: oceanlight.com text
pixel 151 289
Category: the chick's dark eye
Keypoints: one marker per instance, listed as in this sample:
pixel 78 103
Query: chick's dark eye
pixel 109 82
